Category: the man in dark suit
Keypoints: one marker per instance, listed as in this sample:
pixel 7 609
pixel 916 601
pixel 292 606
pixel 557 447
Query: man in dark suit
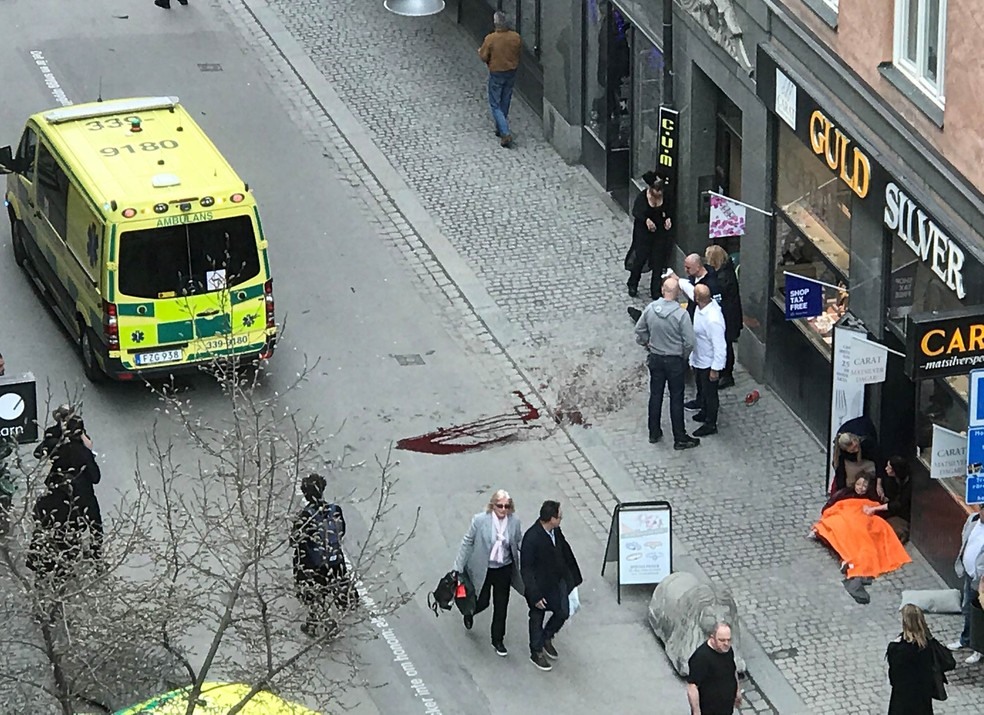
pixel 550 572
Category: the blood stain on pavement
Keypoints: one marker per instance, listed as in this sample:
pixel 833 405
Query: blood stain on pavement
pixel 478 434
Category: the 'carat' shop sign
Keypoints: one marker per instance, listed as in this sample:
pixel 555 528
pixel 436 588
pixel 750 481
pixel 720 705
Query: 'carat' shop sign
pixel 949 457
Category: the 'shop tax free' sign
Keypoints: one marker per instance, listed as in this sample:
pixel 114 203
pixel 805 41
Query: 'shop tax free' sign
pixel 804 298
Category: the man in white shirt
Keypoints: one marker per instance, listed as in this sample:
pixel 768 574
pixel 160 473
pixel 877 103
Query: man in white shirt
pixel 708 358
pixel 969 566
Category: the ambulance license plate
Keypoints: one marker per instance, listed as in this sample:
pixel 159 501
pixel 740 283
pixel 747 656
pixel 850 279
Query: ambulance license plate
pixel 158 357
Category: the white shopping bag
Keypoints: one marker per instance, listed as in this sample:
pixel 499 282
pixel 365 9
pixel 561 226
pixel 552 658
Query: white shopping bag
pixel 575 602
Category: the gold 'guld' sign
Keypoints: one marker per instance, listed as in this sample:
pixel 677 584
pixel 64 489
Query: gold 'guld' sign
pixel 831 144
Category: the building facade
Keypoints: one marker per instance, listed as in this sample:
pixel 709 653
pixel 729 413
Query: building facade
pixel 853 124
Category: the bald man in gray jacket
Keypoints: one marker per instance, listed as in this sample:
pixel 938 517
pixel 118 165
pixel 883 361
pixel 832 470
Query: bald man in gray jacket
pixel 664 328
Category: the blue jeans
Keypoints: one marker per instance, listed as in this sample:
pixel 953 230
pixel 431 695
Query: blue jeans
pixel 663 370
pixel 500 95
pixel 559 605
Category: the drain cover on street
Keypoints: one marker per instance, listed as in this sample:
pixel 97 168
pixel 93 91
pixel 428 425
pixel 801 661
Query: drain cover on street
pixel 409 359
pixel 784 653
pixel 209 67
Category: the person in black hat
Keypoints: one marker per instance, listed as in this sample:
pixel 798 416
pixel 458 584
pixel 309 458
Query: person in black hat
pixel 73 460
pixel 651 242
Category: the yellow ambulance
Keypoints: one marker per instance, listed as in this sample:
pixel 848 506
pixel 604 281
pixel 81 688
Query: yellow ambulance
pixel 142 238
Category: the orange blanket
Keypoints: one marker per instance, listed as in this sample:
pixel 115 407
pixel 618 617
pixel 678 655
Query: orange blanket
pixel 867 542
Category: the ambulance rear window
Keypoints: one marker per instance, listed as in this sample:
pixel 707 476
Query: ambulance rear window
pixel 188 259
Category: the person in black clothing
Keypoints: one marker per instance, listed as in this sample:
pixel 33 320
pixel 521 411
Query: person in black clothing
pixel 56 542
pixel 53 433
pixel 73 460
pixel 320 573
pixel 550 572
pixel 856 441
pixel 712 683
pixel 651 241
pixel 727 280
pixel 897 506
pixel 911 665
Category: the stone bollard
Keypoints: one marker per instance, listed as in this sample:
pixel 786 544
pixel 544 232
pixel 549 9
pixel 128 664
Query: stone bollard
pixel 682 612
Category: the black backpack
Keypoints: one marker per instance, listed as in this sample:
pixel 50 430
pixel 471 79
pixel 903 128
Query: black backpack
pixel 321 545
pixel 442 596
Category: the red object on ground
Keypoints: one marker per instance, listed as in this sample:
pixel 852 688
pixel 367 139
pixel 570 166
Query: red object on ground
pixel 867 543
pixel 752 397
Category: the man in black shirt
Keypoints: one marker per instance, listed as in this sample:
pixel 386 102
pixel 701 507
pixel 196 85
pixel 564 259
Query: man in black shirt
pixel 712 685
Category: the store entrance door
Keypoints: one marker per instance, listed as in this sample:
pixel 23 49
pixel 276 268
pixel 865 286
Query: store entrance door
pixel 607 133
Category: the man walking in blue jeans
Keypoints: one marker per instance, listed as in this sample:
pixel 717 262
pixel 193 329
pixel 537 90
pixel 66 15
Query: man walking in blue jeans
pixel 500 51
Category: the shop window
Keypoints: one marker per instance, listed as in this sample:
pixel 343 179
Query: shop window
pixel 920 44
pixel 647 97
pixel 608 67
pixel 813 231
pixel 942 402
pixel 595 67
pixel 914 288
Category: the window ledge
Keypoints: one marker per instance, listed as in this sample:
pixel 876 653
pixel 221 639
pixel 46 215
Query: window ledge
pixel 913 93
pixel 823 11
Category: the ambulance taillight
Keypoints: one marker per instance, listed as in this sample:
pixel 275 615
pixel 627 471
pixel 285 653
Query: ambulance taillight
pixel 111 331
pixel 268 301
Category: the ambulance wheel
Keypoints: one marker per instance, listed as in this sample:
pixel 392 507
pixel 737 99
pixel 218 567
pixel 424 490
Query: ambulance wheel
pixel 17 238
pixel 89 362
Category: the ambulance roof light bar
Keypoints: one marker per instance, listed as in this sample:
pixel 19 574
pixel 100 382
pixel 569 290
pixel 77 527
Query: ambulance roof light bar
pixel 105 109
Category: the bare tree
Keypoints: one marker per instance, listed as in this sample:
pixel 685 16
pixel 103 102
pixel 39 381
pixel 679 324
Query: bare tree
pixel 195 582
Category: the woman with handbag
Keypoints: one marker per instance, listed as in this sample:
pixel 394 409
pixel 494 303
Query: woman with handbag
pixel 488 558
pixel 916 666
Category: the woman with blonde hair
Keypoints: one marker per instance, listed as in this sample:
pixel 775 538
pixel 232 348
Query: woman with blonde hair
pixel 912 662
pixel 727 280
pixel 489 558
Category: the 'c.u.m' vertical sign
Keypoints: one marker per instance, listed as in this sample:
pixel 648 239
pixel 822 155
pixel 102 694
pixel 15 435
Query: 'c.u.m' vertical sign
pixel 669 133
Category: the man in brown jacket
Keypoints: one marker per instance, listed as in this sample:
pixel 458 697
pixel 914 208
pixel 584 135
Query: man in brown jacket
pixel 500 51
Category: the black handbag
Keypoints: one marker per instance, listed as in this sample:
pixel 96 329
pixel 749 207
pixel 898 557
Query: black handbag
pixel 630 259
pixel 942 662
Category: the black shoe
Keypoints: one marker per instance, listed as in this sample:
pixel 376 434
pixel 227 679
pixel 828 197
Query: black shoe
pixel 654 438
pixel 691 405
pixel 540 661
pixel 634 313
pixel 469 622
pixel 705 429
pixel 500 649
pixel 182 2
pixel 699 417
pixel 687 442
pixel 633 292
pixel 166 4
pixel 726 382
pixel 549 649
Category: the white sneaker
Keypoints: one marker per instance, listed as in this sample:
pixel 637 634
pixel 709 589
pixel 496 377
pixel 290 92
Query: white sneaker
pixel 973 658
pixel 956 645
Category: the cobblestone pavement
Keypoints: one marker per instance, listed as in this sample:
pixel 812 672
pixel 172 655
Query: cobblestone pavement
pixel 548 250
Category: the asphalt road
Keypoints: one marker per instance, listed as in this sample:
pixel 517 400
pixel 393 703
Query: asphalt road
pixel 350 306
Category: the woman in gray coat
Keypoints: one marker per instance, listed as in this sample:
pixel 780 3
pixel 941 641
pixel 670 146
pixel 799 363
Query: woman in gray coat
pixel 489 556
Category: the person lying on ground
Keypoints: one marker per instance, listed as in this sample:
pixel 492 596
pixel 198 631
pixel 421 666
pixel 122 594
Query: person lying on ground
pixel 866 544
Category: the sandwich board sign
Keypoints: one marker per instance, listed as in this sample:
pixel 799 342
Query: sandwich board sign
pixel 640 543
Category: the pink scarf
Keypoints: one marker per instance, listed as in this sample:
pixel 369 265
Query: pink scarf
pixel 498 554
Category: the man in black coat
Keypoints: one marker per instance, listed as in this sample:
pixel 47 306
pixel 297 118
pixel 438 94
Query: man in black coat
pixel 550 572
pixel 73 460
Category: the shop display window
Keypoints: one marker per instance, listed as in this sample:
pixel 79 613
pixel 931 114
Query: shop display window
pixel 596 68
pixel 648 80
pixel 914 288
pixel 942 402
pixel 813 232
